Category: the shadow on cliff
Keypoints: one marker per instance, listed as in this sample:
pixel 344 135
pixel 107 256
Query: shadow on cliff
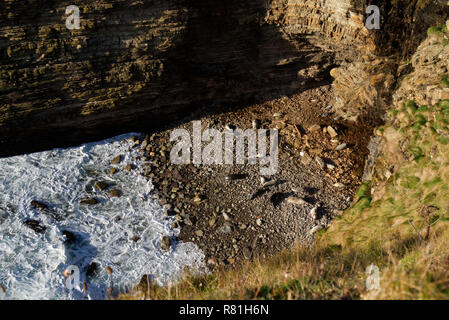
pixel 230 59
pixel 226 58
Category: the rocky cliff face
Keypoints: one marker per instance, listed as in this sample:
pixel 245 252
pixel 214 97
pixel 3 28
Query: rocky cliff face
pixel 141 64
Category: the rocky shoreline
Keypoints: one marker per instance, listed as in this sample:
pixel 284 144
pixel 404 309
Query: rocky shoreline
pixel 230 211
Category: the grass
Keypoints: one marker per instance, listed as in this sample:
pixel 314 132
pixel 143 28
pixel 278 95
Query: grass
pixel 299 273
pixel 439 30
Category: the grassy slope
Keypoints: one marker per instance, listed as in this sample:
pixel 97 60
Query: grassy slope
pixel 402 228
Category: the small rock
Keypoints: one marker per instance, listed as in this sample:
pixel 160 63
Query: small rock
pixel 166 243
pixel 226 216
pixel 212 222
pixel 39 205
pixel 330 166
pixel 113 170
pixel 259 222
pixel 35 226
pixel 277 115
pixel 269 183
pixel 296 200
pixel 247 253
pixel 341 146
pixel 306 159
pixel 314 127
pixel 295 189
pixel 199 233
pixel 332 132
pixel 90 201
pixel 114 193
pixel 226 228
pixel 69 236
pixel 320 162
pixel 339 185
pixel 101 185
pixel 313 213
pixel 187 221
pixel 116 160
pixel 212 261
pixel 128 167
pixel 315 229
pixel 135 238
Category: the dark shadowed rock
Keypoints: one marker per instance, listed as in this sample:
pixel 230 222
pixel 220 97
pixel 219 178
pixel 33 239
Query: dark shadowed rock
pixel 114 193
pixel 116 160
pixel 166 243
pixel 101 185
pixel 89 201
pixel 92 269
pixel 35 226
pixel 69 236
pixel 39 205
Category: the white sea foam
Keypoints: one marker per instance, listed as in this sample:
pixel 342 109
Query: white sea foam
pixel 31 263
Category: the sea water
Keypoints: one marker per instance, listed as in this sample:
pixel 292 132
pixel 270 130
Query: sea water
pixel 31 263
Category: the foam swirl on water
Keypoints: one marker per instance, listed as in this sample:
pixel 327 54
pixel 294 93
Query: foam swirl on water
pixel 31 263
